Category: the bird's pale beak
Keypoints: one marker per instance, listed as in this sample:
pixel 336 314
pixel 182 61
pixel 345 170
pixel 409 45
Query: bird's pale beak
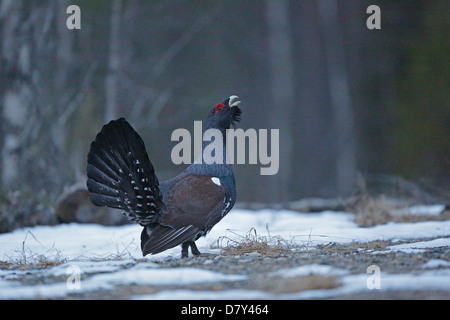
pixel 233 102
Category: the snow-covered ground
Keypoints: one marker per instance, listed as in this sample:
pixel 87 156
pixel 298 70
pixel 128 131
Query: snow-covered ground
pixel 99 257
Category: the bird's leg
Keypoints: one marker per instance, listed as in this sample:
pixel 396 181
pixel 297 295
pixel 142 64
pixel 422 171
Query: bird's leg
pixel 194 249
pixel 184 250
pixel 185 246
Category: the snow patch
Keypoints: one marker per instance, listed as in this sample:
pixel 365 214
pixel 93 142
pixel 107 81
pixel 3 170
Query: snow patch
pixel 417 247
pixel 420 210
pixel 141 274
pixel 436 263
pixel 107 256
pixel 178 276
pixel 312 269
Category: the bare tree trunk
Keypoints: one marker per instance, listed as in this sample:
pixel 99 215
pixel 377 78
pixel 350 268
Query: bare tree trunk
pixel 16 92
pixel 64 61
pixel 112 78
pixel 282 90
pixel 338 83
pixel 33 143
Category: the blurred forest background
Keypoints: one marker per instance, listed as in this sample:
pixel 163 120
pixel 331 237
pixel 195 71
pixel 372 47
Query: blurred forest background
pixel 349 102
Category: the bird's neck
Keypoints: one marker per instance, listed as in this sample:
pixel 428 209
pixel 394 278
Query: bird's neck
pixel 213 159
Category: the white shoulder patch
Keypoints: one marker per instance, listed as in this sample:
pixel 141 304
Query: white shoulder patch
pixel 216 181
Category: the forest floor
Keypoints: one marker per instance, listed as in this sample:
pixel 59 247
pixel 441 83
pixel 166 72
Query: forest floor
pixel 323 255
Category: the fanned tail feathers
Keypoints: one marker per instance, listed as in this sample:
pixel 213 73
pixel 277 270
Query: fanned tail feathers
pixel 120 174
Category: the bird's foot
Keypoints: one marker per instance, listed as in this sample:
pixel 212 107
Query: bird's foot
pixel 194 249
pixel 184 249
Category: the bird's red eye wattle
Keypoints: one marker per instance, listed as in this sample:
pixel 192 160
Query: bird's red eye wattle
pixel 219 107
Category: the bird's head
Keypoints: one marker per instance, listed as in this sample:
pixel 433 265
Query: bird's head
pixel 225 114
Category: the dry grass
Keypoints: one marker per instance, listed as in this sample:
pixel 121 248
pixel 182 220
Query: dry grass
pixel 253 242
pixel 370 211
pixel 354 247
pixel 372 208
pixel 26 258
pixel 296 284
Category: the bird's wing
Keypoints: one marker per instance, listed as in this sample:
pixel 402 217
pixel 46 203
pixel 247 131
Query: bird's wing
pixel 193 204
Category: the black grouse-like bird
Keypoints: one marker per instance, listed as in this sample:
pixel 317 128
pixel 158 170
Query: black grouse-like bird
pixel 173 212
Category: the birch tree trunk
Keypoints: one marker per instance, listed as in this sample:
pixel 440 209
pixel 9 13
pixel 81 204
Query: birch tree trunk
pixel 282 91
pixel 64 61
pixel 16 91
pixel 339 91
pixel 112 78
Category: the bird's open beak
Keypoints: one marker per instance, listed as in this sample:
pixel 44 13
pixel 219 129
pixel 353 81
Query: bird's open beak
pixel 233 102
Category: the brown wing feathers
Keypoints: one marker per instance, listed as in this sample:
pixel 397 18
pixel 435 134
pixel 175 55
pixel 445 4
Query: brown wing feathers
pixel 193 205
